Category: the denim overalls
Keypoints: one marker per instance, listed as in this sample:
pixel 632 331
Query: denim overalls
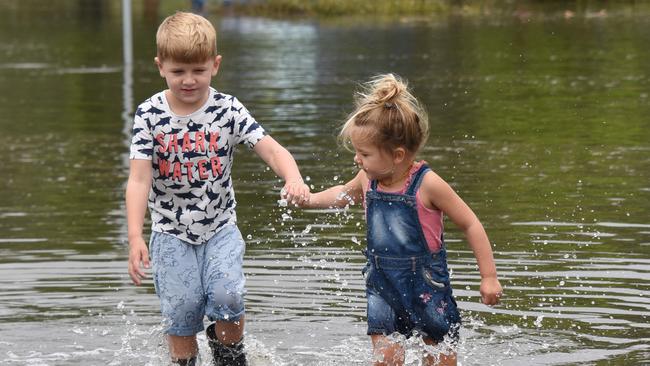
pixel 407 286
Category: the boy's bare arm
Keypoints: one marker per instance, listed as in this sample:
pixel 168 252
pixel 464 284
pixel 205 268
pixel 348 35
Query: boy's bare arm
pixel 284 165
pixel 137 194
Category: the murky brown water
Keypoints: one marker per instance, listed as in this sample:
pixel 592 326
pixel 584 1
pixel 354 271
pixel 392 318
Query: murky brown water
pixel 540 123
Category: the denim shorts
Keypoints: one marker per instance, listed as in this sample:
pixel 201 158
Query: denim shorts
pixel 424 298
pixel 193 281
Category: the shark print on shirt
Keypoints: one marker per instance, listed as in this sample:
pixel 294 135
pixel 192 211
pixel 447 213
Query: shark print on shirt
pixel 191 195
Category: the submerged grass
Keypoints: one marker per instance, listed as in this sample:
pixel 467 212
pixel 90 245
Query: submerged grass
pixel 335 8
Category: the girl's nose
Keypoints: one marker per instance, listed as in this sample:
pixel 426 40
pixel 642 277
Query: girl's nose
pixel 357 160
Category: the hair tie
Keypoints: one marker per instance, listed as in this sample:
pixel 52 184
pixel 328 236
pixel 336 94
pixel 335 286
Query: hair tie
pixel 389 105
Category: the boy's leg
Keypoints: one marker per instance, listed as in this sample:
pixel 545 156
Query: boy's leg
pixel 229 333
pixel 386 352
pixel 224 281
pixel 223 277
pixel 177 280
pixel 182 347
pixel 226 342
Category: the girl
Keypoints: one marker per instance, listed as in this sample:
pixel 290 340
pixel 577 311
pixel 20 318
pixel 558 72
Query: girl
pixel 407 281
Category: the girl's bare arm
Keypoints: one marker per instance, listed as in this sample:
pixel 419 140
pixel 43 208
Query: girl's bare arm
pixel 439 194
pixel 339 196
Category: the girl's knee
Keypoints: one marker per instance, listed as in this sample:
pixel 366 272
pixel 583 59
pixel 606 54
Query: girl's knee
pixel 440 359
pixel 387 352
pixel 439 355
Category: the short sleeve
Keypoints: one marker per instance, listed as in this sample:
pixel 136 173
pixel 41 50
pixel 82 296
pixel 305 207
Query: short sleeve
pixel 247 130
pixel 142 140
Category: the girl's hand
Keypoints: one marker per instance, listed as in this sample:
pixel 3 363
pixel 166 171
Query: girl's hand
pixel 491 291
pixel 296 192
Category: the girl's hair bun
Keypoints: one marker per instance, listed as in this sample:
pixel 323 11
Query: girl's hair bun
pixel 389 115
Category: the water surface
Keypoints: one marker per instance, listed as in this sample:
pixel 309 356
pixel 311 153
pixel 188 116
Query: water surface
pixel 538 121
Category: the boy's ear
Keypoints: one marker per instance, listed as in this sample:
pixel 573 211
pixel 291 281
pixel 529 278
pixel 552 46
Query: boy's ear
pixel 215 66
pixel 159 65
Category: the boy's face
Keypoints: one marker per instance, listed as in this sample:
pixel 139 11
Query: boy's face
pixel 188 83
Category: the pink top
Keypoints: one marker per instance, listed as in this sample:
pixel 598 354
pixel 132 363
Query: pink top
pixel 430 219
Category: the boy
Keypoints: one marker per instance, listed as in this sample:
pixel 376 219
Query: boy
pixel 181 160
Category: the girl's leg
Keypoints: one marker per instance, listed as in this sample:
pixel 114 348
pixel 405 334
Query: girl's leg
pixel 386 352
pixel 441 359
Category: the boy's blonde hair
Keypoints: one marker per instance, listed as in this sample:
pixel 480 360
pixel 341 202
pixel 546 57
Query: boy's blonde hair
pixel 187 38
pixel 388 116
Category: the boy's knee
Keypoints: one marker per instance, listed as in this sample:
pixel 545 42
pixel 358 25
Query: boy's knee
pixel 183 317
pixel 226 306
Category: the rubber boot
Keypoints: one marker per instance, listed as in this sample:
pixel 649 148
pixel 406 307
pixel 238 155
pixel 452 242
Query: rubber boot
pixel 186 362
pixel 225 355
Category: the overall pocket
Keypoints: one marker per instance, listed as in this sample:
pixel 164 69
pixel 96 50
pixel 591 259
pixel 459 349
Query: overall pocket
pixel 434 308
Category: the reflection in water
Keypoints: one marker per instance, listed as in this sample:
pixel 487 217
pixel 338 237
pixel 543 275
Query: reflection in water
pixel 546 136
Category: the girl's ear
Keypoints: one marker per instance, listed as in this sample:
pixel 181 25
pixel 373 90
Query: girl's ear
pixel 399 155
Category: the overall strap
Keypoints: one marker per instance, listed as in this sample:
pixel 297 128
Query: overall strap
pixel 417 180
pixel 373 185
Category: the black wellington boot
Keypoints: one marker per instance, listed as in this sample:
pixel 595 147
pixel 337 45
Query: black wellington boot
pixel 186 362
pixel 225 355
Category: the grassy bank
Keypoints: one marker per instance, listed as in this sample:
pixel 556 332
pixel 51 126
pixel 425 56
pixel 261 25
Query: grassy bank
pixel 420 8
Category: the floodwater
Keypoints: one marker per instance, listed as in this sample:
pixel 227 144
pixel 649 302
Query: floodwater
pixel 539 121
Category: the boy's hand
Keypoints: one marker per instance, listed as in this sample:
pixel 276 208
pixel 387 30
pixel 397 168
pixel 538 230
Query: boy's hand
pixel 138 253
pixel 295 192
pixel 491 291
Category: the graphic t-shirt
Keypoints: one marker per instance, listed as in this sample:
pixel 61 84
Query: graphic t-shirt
pixel 191 195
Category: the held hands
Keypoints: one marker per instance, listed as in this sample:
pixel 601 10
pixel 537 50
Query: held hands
pixel 491 291
pixel 138 254
pixel 296 192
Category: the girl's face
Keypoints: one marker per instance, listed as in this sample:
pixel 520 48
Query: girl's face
pixel 188 82
pixel 377 163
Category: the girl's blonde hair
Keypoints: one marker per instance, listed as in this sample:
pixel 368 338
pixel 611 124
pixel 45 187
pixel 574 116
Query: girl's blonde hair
pixel 387 115
pixel 186 37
